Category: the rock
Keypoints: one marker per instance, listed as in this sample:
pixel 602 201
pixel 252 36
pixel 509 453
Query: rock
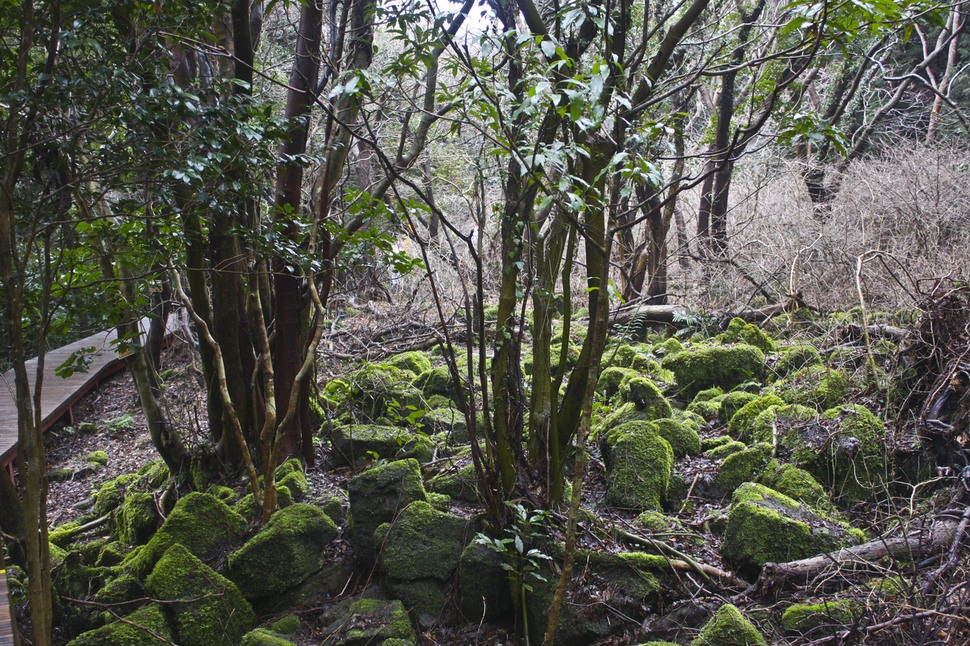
pixel 419 553
pixel 797 484
pixel 741 423
pixel 738 468
pixel 206 607
pixel 729 627
pixel 137 519
pixel 448 420
pixel 739 331
pixel 200 522
pixel 146 626
pixel 415 362
pixel 784 426
pixel 437 381
pixel 816 386
pixel 359 443
pixel 724 366
pixel 850 456
pixel 372 622
pixel 683 439
pixel 638 464
pixel 732 402
pixel 263 637
pixel 645 395
pixel 819 619
pixel 610 379
pixel 797 357
pixel 725 449
pixel 461 483
pixel 377 387
pixel 285 553
pixel 764 526
pixel 483 585
pixel 377 496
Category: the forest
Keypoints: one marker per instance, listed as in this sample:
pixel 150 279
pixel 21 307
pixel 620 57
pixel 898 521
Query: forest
pixel 496 321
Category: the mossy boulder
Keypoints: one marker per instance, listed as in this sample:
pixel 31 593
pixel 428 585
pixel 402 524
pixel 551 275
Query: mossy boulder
pixel 638 464
pixel 483 585
pixel 264 637
pixel 728 627
pixel 360 443
pixel 206 607
pixel 797 484
pixel 290 547
pixel 644 394
pixel 796 357
pixel 376 387
pixel 740 425
pixel 295 482
pixel 437 381
pixel 137 519
pixel 732 402
pixel 847 452
pixel 816 386
pixel 722 450
pixel 201 522
pixel 97 458
pixel 377 496
pixel 764 526
pixel 415 362
pixel 146 626
pixel 784 425
pixel 610 379
pixel 447 420
pixel 372 622
pixel 419 552
pixel 738 468
pixel 683 439
pixel 723 366
pixel 460 483
pixel 738 331
pixel 819 619
pixel 628 356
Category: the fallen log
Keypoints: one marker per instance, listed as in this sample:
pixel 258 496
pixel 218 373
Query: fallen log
pixel 932 540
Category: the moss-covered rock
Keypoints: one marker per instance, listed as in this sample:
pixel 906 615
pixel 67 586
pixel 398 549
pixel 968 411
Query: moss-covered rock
pixel 108 497
pixel 796 357
pixel 816 386
pixel 740 425
pixel 361 443
pixel 847 453
pixel 764 526
pixel 723 366
pixel 289 547
pixel 437 381
pixel 819 619
pixel 483 586
pixel 683 439
pixel 99 458
pixel 372 622
pixel 732 402
pixel 264 637
pixel 206 607
pixel 200 522
pixel 419 552
pixel 783 425
pixel 448 420
pixel 737 468
pixel 146 626
pixel 415 362
pixel 722 450
pixel 708 409
pixel 377 496
pixel 740 332
pixel 728 627
pixel 137 518
pixel 797 484
pixel 378 386
pixel 645 395
pixel 610 379
pixel 459 483
pixel 638 464
pixel 627 356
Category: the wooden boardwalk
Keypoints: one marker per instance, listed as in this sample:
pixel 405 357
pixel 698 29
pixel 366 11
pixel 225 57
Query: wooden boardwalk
pixel 6 613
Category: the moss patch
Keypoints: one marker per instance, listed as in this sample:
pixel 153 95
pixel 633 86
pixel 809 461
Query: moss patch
pixel 360 443
pixel 683 439
pixel 638 465
pixel 819 619
pixel 136 630
pixel 741 423
pixel 372 621
pixel 726 367
pixel 728 627
pixel 377 496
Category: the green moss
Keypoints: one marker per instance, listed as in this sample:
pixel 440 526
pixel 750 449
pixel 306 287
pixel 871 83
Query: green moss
pixel 136 519
pixel 708 394
pixel 110 555
pixel 377 386
pixel 290 546
pixel 796 357
pixel 139 629
pixel 372 621
pixel 851 457
pixel 815 386
pixel 670 346
pixel 108 497
pixel 626 356
pixel 99 458
pixel 765 526
pixel 207 607
pixel 461 484
pixel 683 439
pixel 263 637
pixel 709 443
pixel 725 449
pixel 797 484
pixel 708 409
pixel 740 467
pixel 610 379
pixel 819 618
pixel 657 522
pixel 297 484
pixel 645 395
pixel 288 625
pixel 226 494
pixel 63 535
pixel 415 362
pixel 638 465
pixel 361 443
pixel 437 381
pixel 200 522
pixel 732 402
pixel 448 420
pixel 422 543
pixel 726 366
pixel 119 590
pixel 154 474
pixel 377 496
pixel 741 423
pixel 783 425
pixel 728 627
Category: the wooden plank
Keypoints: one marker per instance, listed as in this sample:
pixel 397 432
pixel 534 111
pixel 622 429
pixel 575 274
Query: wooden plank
pixel 6 612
